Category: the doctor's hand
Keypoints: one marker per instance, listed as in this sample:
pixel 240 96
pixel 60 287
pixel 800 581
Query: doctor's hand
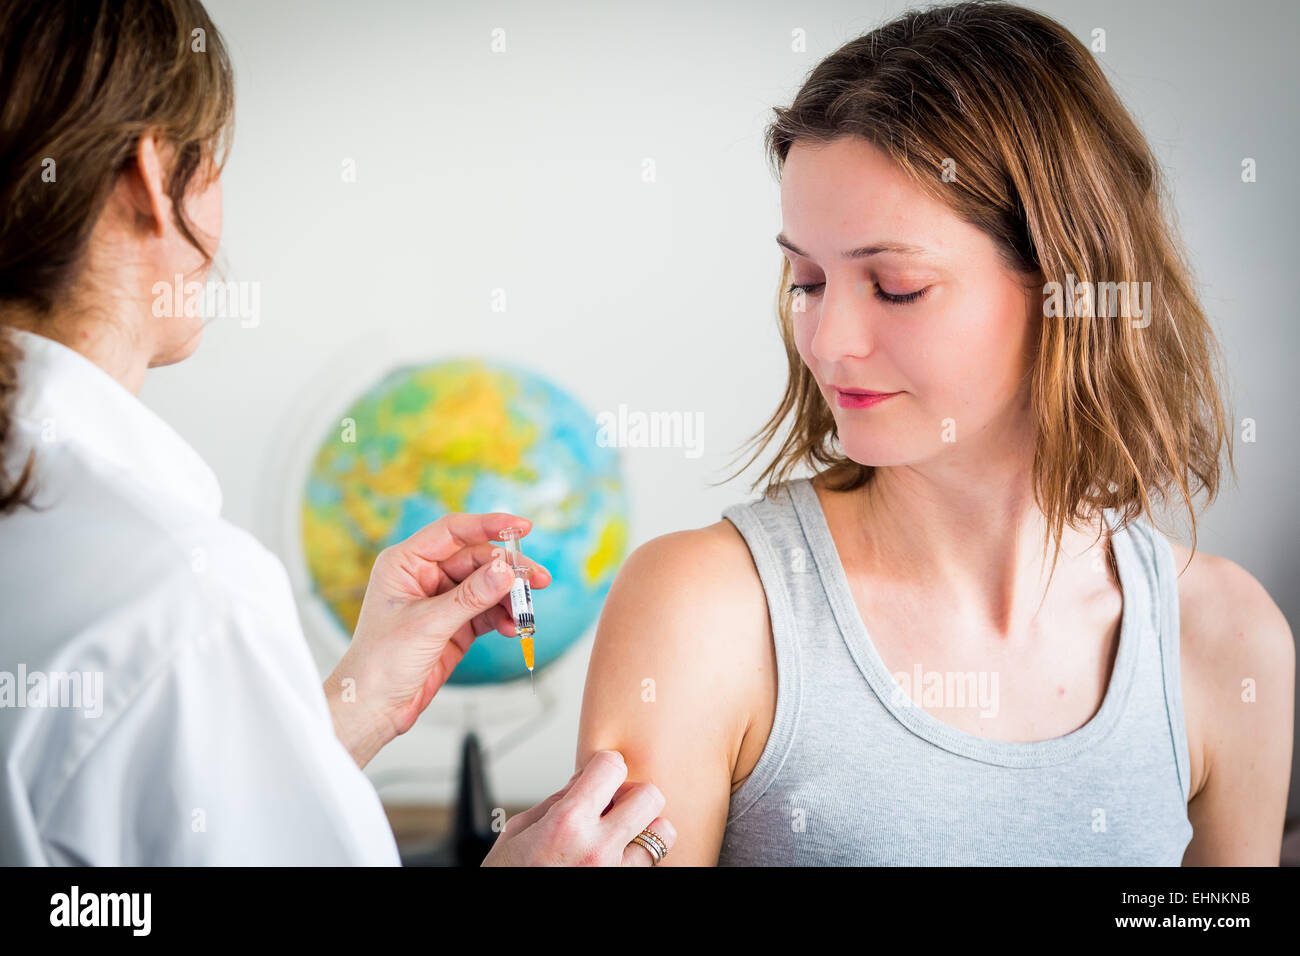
pixel 590 822
pixel 428 598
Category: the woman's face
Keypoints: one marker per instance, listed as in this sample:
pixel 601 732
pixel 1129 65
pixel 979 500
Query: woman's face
pixel 901 296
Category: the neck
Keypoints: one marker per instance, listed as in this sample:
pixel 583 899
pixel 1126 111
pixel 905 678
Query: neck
pixel 973 533
pixel 114 343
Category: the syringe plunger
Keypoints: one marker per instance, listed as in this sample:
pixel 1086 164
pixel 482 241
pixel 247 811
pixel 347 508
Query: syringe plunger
pixel 510 539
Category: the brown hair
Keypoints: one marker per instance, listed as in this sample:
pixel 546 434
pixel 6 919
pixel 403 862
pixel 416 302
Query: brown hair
pixel 80 82
pixel 1050 166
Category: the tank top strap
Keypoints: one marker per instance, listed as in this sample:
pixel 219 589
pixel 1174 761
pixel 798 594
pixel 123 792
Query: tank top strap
pixel 1160 577
pixel 783 558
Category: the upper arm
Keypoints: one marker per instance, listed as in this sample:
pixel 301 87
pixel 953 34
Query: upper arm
pixel 1238 666
pixel 679 652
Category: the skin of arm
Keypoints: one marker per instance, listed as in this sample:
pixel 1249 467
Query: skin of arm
pixel 1231 632
pixel 683 652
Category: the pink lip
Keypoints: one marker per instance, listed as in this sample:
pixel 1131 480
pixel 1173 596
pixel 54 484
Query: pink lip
pixel 860 397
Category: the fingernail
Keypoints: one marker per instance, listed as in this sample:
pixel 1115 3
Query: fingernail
pixel 498 572
pixel 615 754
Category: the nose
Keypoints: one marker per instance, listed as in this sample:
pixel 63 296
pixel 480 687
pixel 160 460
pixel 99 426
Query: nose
pixel 844 324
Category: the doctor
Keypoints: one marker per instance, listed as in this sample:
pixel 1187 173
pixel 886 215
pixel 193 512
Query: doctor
pixel 169 711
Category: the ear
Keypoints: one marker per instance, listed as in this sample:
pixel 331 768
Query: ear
pixel 145 188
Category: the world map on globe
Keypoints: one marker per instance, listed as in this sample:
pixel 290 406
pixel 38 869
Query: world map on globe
pixel 469 435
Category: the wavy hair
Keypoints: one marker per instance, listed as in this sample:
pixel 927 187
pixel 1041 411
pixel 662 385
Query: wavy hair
pixel 1052 168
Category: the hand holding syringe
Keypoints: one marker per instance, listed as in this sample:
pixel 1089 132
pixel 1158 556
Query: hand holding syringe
pixel 428 599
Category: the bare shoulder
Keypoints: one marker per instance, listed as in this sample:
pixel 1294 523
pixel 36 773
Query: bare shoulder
pixel 716 551
pixel 698 588
pixel 1227 616
pixel 1235 647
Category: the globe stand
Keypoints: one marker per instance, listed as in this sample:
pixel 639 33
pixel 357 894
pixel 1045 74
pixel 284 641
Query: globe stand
pixel 471 837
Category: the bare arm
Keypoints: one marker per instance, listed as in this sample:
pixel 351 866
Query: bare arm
pixel 1238 660
pixel 682 646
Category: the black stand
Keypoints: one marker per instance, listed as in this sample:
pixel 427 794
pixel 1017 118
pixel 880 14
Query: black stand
pixel 471 835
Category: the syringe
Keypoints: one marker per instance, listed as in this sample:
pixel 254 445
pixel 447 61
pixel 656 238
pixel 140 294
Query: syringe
pixel 521 599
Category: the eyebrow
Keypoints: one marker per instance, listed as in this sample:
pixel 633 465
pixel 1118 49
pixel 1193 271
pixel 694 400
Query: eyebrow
pixel 862 252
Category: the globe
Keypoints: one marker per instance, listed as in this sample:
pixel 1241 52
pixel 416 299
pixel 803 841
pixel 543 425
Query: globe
pixel 469 435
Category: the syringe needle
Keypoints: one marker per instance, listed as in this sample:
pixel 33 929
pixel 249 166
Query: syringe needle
pixel 532 681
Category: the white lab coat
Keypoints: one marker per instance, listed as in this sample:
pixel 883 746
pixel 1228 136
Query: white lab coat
pixel 211 742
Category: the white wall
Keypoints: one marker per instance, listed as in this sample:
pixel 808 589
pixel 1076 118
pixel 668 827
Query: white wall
pixel 523 170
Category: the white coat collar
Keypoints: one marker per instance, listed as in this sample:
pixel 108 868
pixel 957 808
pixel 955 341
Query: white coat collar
pixel 65 397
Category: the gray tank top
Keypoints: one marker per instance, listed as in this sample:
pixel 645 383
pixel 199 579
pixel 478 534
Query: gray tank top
pixel 855 773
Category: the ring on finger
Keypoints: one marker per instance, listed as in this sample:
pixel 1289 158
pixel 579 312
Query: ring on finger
pixel 653 844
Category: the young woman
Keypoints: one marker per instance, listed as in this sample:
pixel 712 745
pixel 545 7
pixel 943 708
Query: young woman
pixel 963 640
pixel 191 726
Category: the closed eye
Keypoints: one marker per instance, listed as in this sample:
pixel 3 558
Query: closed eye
pixel 813 288
pixel 902 299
